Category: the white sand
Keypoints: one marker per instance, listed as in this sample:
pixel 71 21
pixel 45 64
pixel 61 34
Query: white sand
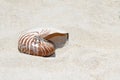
pixel 93 50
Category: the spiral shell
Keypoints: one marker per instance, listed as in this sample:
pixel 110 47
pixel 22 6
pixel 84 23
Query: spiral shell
pixel 41 42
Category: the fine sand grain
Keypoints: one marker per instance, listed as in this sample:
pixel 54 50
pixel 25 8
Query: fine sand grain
pixel 93 49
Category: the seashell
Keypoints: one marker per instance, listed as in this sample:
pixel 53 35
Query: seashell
pixel 41 42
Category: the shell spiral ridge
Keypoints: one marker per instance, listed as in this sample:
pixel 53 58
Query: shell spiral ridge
pixel 40 42
pixel 32 43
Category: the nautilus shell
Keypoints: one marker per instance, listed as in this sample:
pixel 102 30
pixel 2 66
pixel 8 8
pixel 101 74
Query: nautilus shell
pixel 41 42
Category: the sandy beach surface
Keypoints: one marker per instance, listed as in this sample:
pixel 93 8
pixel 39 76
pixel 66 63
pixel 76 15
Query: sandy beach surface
pixel 93 49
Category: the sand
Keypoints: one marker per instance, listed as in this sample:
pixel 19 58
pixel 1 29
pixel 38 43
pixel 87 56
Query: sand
pixel 93 49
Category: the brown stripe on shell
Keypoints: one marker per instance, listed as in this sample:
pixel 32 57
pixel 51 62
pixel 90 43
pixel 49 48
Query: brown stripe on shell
pixel 27 44
pixel 40 42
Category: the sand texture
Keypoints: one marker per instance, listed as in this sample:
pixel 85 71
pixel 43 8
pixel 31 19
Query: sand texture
pixel 93 49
